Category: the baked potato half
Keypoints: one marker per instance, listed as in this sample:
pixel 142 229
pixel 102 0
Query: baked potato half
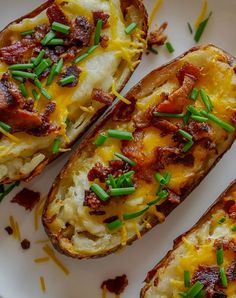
pixel 144 158
pixel 60 68
pixel 203 259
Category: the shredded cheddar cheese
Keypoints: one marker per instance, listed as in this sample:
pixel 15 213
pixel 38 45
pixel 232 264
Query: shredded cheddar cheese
pixel 18 234
pixel 118 95
pixel 9 135
pixel 155 9
pixel 124 235
pixel 202 14
pixel 42 260
pixel 137 230
pixel 42 284
pixel 49 251
pixel 12 225
pixel 104 292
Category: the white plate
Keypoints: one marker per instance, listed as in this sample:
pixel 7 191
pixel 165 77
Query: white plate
pixel 19 275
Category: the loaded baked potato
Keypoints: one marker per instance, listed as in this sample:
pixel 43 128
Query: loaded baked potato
pixel 60 67
pixel 202 262
pixel 146 157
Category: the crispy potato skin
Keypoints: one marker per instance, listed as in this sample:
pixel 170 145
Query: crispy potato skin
pixel 124 4
pixel 144 85
pixel 218 204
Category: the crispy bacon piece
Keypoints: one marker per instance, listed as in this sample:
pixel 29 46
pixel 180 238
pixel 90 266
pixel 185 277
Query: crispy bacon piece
pixel 55 14
pixel 25 244
pixel 219 294
pixel 124 113
pixel 82 31
pixel 230 208
pixel 102 96
pixel 18 52
pixel 231 271
pixel 173 197
pixel 101 15
pixel 104 41
pixel 227 244
pixel 71 70
pixel 92 201
pixel 200 131
pixel 70 53
pixel 26 198
pixel 188 75
pixel 165 126
pixel 144 118
pixel 158 37
pixel 116 285
pixel 39 32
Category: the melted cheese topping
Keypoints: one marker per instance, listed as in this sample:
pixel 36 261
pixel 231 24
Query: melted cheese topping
pixel 91 236
pixel 196 248
pixel 98 71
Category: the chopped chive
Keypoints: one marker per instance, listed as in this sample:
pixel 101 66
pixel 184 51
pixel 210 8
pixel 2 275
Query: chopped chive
pixel 160 178
pixel 112 181
pixel 194 94
pixel 114 224
pixel 119 134
pixel 56 145
pixel 219 256
pixel 195 289
pixel 35 94
pixel 100 192
pixel 21 66
pixel 169 47
pixel 223 124
pixel 210 102
pixel 51 75
pixel 116 192
pixel 41 67
pixel 49 36
pixel 158 114
pixel 162 194
pixel 38 84
pixel 186 279
pixel 128 216
pixel 222 220
pixel 86 54
pixel 153 202
pixel 56 42
pixel 185 134
pixel 98 32
pixel 8 190
pixel 201 28
pixel 205 100
pixel 23 90
pixel 59 66
pixel 223 278
pixel 199 118
pixel 46 94
pixel 190 28
pixel 23 74
pixel 67 80
pixel 5 126
pixel 130 28
pixel 201 294
pixel 152 50
pixel 60 27
pixel 187 117
pixel 129 174
pixel 100 140
pixel 233 229
pixel 182 294
pixel 194 111
pixel 167 177
pixel 126 159
pixel 20 79
pixel 28 32
pixel 188 146
pixel 39 58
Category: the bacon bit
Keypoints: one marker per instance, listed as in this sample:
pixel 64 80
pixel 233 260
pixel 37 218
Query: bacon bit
pixel 230 208
pixel 228 244
pixel 101 96
pixel 25 244
pixel 124 111
pixel 165 126
pixel 42 284
pixel 207 275
pixel 26 198
pixel 71 70
pixel 82 31
pixel 92 201
pixel 231 271
pixel 188 75
pixel 55 14
pixel 104 41
pixel 101 15
pixel 200 131
pixel 52 255
pixel 116 285
pixel 233 118
pixel 9 230
pixel 173 197
pixel 158 37
pixel 40 31
pixel 144 119
pixel 97 212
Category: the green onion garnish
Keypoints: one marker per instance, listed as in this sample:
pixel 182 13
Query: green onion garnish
pixel 219 256
pixel 39 58
pixel 35 94
pixel 5 126
pixel 201 28
pixel 223 278
pixel 185 134
pixel 128 216
pixel 199 118
pixel 38 84
pixel 86 54
pixel 126 159
pixel 205 100
pixel 28 32
pixel 218 121
pixel 195 289
pixel 163 194
pixel 8 190
pixel 100 140
pixel 160 178
pixel 222 220
pixel 167 177
pixel 56 145
pixel 20 79
pixel 23 90
pixel 67 80
pixel 23 74
pixel 130 28
pixel 51 75
pixel 169 47
pixel 100 192
pixel 158 114
pixel 119 134
pixel 98 32
pixel 56 42
pixel 194 94
pixel 42 67
pixel 21 66
pixel 112 181
pixel 154 51
pixel 154 202
pixel 182 294
pixel 190 28
pixel 116 192
pixel 188 146
pixel 201 294
pixel 60 27
pixel 194 111
pixel 46 94
pixel 49 36
pixel 59 66
pixel 114 224
pixel 233 229
pixel 186 279
pixel 187 117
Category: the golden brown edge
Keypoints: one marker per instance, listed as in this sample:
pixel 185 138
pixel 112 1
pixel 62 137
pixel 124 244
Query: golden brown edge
pixel 178 241
pixel 124 4
pixel 168 207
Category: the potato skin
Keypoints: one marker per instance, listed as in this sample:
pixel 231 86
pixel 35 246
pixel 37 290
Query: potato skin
pixel 124 4
pixel 145 84
pixel 218 204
